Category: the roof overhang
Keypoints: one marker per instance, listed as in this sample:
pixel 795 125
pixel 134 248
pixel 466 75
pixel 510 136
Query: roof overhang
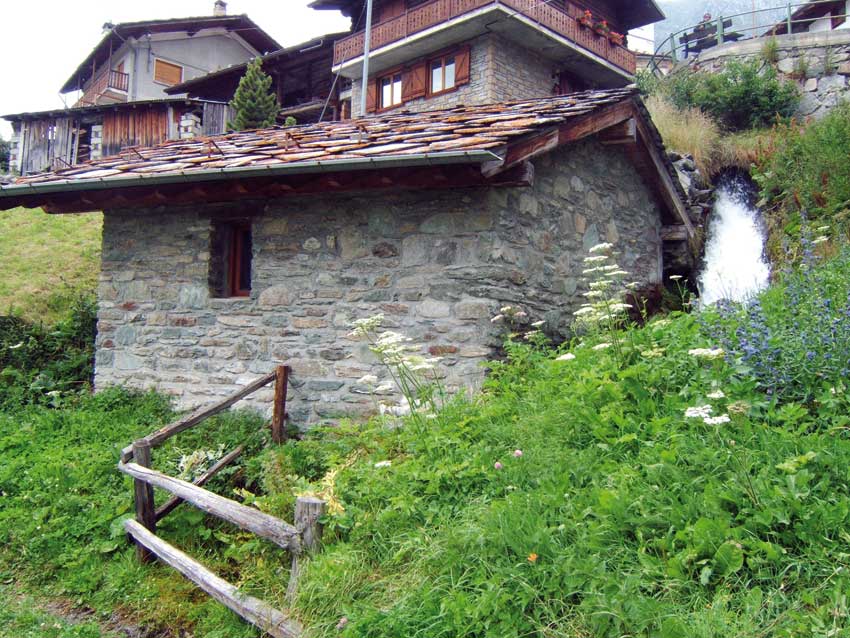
pixel 633 13
pixel 492 18
pixel 625 123
pixel 104 108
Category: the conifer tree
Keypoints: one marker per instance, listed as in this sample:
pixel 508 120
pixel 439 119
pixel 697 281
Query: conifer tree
pixel 255 103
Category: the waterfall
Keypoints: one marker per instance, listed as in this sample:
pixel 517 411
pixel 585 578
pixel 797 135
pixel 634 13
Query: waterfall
pixel 734 266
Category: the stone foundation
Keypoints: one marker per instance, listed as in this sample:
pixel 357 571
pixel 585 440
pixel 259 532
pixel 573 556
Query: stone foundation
pixel 437 264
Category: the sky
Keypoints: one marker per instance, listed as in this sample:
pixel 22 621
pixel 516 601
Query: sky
pixel 44 41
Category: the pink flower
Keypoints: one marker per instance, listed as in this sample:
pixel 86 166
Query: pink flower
pixel 498 465
pixel 517 453
pixel 342 623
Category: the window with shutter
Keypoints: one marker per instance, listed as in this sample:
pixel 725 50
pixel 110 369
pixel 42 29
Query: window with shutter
pixel 167 73
pixel 462 66
pixel 372 96
pixel 415 82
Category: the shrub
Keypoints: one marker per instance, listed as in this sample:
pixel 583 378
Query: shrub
pixel 742 96
pixel 794 341
pixel 46 365
pixel 688 131
pixel 254 103
pixel 4 155
pixel 807 168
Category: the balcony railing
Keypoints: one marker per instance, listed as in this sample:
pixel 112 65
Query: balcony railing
pixel 563 22
pixel 108 80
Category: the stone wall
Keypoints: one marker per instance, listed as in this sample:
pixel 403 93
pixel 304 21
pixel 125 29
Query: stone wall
pixel 437 264
pixel 499 71
pixel 825 56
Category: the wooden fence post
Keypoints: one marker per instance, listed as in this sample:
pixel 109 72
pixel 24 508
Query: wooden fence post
pixel 308 511
pixel 143 492
pixel 279 417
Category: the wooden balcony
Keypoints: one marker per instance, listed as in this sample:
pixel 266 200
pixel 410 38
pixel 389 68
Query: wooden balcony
pixel 108 87
pixel 563 22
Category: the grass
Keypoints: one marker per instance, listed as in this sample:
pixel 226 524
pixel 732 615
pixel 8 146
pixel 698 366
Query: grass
pixel 62 504
pixel 45 259
pixel 692 132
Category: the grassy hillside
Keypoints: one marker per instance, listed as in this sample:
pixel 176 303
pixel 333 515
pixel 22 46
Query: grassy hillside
pixel 642 482
pixel 45 259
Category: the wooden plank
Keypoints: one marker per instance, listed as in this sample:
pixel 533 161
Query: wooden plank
pixel 308 511
pixel 262 524
pixel 674 233
pixel 669 193
pixel 163 434
pixel 144 498
pixel 622 133
pixel 170 505
pixel 279 417
pixel 255 611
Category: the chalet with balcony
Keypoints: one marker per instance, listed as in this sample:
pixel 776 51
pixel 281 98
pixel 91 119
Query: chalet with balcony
pixel 119 90
pixel 429 54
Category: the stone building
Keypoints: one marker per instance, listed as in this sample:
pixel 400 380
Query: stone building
pixel 223 258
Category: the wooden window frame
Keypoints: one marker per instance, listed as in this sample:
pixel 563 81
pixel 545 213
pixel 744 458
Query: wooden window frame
pixel 452 55
pixel 390 75
pixel 167 63
pixel 238 246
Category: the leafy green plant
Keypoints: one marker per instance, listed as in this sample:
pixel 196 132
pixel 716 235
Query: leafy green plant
pixel 806 168
pixel 801 67
pixel 742 96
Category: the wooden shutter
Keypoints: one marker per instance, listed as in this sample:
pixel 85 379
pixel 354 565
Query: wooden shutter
pixel 372 96
pixel 167 73
pixel 414 82
pixel 462 66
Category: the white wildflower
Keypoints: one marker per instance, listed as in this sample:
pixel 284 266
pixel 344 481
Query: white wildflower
pixel 530 334
pixel 497 319
pixel 820 240
pixel 591 271
pixel 653 354
pixel 538 324
pixel 506 310
pixel 716 420
pixel 822 229
pixel 618 273
pixel 566 357
pixel 600 248
pixel 675 277
pixel 603 284
pixel 698 412
pixel 610 268
pixel 621 306
pixel 717 394
pixel 601 346
pixel 381 464
pixel 584 310
pixel 369 379
pixel 707 353
pixel 594 294
pixel 596 259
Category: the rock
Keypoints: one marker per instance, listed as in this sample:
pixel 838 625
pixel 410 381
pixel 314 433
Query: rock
pixel 786 66
pixel 831 83
pixel 844 68
pixel 433 309
pixel 811 85
pixel 276 297
pixel 673 156
pixel 473 309
pixel 312 244
pixel 385 250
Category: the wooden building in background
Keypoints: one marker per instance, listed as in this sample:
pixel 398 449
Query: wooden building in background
pixel 302 78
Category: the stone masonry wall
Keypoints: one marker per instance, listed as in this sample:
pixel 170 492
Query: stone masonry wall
pixel 499 71
pixel 825 57
pixel 437 264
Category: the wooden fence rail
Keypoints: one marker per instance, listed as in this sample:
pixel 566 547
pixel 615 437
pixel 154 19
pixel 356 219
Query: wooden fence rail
pixel 306 534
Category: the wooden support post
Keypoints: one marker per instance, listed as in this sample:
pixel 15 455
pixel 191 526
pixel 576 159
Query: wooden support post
pixel 143 493
pixel 308 511
pixel 279 417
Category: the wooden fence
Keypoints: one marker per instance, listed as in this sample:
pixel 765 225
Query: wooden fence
pixel 300 538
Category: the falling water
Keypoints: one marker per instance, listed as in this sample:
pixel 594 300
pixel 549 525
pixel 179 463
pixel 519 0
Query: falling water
pixel 734 266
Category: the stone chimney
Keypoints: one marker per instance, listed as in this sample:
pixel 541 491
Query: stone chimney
pixel 220 8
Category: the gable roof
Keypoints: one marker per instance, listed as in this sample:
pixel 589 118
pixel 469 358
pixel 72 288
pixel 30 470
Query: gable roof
pixel 115 37
pixel 490 140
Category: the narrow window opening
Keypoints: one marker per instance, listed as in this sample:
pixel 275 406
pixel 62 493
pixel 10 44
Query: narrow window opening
pixel 231 251
pixel 391 91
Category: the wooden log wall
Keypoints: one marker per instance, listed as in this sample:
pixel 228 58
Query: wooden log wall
pixel 142 127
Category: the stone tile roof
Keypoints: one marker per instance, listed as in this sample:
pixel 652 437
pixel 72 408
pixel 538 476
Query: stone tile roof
pixel 390 135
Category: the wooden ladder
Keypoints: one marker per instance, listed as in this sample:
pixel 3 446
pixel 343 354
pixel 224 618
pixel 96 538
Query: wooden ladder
pixel 300 539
